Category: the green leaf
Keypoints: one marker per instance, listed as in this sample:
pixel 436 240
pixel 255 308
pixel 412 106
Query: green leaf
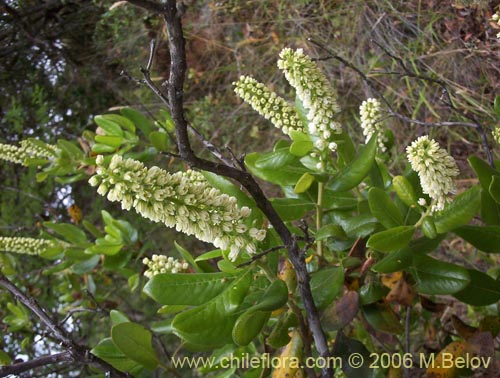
pixel 429 227
pixel 109 126
pixel 112 141
pixel 292 208
pixel 284 176
pixel 496 105
pixel 108 351
pixel 159 140
pixel 384 209
pixel 372 292
pixel 5 359
pixel 345 347
pixel 330 231
pixel 120 120
pixel 490 209
pixel 211 325
pixel 250 323
pixel 485 238
pixel 135 342
pixel 436 277
pixel 118 317
pixel 100 148
pixel 275 159
pixel 73 152
pixel 494 188
pixel 382 318
pixel 301 148
pixel 459 212
pixel 86 265
pixel 248 326
pixel 305 181
pixel 142 122
pixel 483 171
pixel 392 239
pixel 326 285
pixel 216 253
pixel 68 232
pixel 186 255
pixel 481 291
pixel 357 170
pixel 405 191
pixel 394 261
pixel 187 289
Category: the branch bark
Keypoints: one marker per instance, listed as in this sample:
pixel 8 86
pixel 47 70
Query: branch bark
pixel 175 96
pixel 74 352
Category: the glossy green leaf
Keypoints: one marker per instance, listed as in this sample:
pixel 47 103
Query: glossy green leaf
pixel 490 209
pixel 112 141
pixel 438 277
pixel 392 239
pixel 143 123
pixel 107 351
pixel 110 127
pixel 124 122
pixel 494 188
pixel 118 317
pixel 459 212
pixel 211 325
pixel 326 285
pixel 292 208
pixel 394 261
pixel 483 171
pixel 382 318
pixel 371 293
pixel 279 335
pixel 330 231
pixel 86 265
pixel 429 227
pixel 384 209
pixel 275 159
pixel 286 175
pixel 68 232
pixel 159 140
pixel 187 289
pixel 273 298
pixel 481 291
pixel 359 226
pixel 135 342
pixel 216 253
pixel 73 152
pixel 485 238
pixel 5 359
pixel 405 191
pixel 357 170
pixel 301 147
pixel 248 326
pixel 346 347
pixel 100 148
pixel 304 183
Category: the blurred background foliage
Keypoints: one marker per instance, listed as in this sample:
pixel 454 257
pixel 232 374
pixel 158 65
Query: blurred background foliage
pixel 61 63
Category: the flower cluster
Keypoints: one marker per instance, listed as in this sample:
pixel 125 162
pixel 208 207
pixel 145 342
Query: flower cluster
pixel 268 104
pixel 435 168
pixel 496 134
pixel 28 150
pixel 369 112
pixel 184 200
pixel 496 18
pixel 316 94
pixel 28 246
pixel 163 264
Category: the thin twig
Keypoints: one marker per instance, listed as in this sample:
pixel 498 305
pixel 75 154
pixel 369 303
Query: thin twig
pixel 259 255
pixel 20 367
pixel 78 353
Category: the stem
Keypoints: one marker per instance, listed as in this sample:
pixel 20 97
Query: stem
pixel 319 214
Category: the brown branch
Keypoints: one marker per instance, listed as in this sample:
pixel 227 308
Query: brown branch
pixel 21 367
pixel 175 96
pixel 77 352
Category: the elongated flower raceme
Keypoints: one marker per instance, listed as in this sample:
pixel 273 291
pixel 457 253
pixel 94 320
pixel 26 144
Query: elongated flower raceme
pixel 184 200
pixel 162 264
pixel 496 134
pixel 268 104
pixel 315 92
pixel 27 150
pixel 435 168
pixel 369 112
pixel 28 246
